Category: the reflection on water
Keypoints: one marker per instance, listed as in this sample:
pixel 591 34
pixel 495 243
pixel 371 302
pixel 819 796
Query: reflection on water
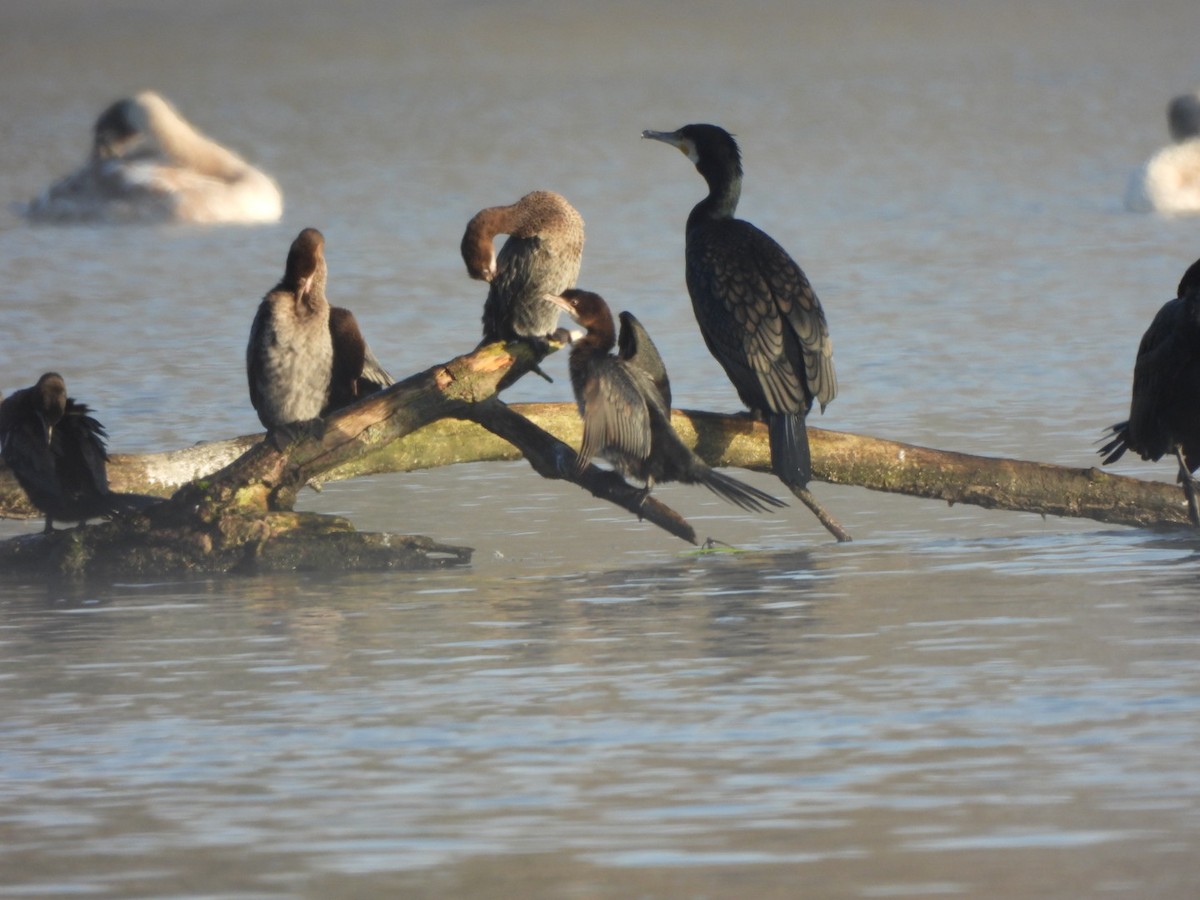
pixel 960 702
pixel 786 714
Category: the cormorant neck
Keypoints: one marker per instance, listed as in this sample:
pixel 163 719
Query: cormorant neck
pixel 724 191
pixel 600 339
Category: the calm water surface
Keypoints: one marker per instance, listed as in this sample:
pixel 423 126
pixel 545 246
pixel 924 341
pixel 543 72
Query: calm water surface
pixel 961 702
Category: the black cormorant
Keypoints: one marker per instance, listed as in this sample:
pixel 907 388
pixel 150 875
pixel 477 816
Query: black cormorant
pixel 624 402
pixel 757 312
pixel 1164 414
pixel 56 450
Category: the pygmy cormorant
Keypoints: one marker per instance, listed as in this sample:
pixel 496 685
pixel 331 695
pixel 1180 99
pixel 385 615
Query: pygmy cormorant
pixel 1164 414
pixel 757 312
pixel 540 257
pixel 624 402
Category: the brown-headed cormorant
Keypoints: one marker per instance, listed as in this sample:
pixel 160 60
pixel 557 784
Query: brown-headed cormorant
pixel 305 359
pixel 1164 414
pixel 624 402
pixel 57 452
pixel 540 257
pixel 757 312
pixel 356 371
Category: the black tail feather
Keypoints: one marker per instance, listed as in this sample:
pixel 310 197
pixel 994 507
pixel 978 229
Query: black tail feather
pixel 1118 442
pixel 790 458
pixel 739 493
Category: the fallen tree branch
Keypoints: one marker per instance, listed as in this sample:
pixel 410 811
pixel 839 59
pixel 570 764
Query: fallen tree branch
pixel 240 517
pixel 720 440
pixel 551 458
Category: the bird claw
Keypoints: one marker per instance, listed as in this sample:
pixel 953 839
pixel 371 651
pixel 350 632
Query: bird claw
pixel 283 436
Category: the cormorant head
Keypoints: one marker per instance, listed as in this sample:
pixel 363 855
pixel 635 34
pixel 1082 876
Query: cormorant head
pixel 51 399
pixel 1189 284
pixel 305 262
pixel 712 149
pixel 586 308
pixel 478 248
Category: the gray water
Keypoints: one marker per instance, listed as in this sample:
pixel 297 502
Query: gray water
pixel 961 702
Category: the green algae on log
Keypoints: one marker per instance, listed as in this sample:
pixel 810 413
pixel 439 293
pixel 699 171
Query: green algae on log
pixel 720 440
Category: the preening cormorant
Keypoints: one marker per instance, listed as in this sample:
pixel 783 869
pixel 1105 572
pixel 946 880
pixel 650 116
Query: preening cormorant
pixel 756 310
pixel 624 403
pixel 305 359
pixel 540 257
pixel 56 450
pixel 1164 414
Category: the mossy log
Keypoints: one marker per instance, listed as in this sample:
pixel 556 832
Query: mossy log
pixel 721 440
pixel 231 501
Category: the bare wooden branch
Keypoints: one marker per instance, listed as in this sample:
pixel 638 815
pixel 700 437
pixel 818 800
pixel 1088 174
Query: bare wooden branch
pixel 363 440
pixel 240 516
pixel 551 458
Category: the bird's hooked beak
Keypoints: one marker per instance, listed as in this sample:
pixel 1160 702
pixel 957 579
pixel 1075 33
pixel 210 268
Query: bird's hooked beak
pixel 303 289
pixel 675 139
pixel 565 305
pixel 47 428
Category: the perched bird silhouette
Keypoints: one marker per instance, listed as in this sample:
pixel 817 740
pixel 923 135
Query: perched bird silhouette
pixel 624 401
pixel 356 372
pixel 1164 413
pixel 56 450
pixel 540 257
pixel 148 164
pixel 305 359
pixel 756 310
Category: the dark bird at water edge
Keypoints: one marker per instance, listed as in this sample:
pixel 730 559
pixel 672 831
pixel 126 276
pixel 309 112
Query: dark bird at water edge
pixel 57 453
pixel 624 402
pixel 1164 413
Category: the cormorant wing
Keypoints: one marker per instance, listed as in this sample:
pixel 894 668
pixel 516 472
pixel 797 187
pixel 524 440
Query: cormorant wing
pixel 80 453
pixel 615 416
pixel 635 347
pixel 517 263
pixel 746 291
pixel 356 371
pixel 802 312
pixel 255 361
pixel 373 370
pixel 25 450
pixel 1153 372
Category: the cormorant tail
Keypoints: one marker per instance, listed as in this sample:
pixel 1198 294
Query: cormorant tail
pixel 790 458
pixel 738 492
pixel 1118 442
